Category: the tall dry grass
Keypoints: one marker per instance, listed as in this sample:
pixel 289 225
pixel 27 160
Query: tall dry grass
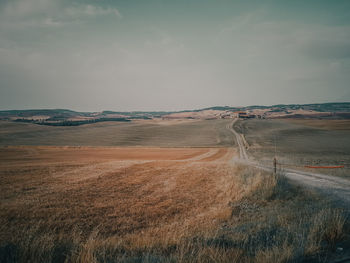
pixel 256 217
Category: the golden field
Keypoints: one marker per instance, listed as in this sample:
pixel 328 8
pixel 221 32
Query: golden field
pixel 133 204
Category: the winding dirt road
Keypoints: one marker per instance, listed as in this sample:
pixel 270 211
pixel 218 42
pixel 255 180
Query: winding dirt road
pixel 242 151
pixel 335 188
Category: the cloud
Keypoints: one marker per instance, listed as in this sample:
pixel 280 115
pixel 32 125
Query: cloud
pixel 26 8
pixel 49 13
pixel 261 35
pixel 50 22
pixel 91 10
pixel 47 49
pixel 328 49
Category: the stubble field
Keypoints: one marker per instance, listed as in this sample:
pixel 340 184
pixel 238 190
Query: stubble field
pixel 161 133
pixel 131 193
pixel 150 203
pixel 299 143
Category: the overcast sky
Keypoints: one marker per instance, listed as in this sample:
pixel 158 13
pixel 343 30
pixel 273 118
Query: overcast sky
pixel 171 55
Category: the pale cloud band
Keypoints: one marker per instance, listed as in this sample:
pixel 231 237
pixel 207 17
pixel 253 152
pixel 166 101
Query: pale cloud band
pixel 50 12
pixel 165 55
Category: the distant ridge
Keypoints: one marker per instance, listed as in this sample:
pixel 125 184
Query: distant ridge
pixel 66 117
pixel 322 107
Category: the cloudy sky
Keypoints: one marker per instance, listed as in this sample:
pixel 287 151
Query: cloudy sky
pixel 171 55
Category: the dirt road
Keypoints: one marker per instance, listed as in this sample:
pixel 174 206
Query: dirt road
pixel 242 151
pixel 335 188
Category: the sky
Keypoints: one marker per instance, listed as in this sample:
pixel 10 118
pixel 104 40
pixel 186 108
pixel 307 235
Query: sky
pixel 160 55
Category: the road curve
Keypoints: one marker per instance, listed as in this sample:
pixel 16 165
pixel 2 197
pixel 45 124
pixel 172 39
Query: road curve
pixel 336 188
pixel 242 151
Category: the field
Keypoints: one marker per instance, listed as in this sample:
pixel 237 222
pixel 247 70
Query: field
pixel 151 203
pixel 118 190
pixel 97 204
pixel 341 125
pixel 298 143
pixel 175 133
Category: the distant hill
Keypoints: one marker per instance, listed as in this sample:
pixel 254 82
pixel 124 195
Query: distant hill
pixel 321 107
pixel 49 112
pixel 63 117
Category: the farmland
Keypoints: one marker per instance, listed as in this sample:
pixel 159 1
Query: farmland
pixel 175 133
pixel 118 190
pixel 298 143
pixel 112 204
pixel 148 188
pixel 154 191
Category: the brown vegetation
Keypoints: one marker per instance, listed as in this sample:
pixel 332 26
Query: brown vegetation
pixel 323 124
pixel 149 133
pixel 123 205
pixel 300 143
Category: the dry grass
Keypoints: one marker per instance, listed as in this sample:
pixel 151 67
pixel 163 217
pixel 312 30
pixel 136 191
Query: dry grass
pixel 276 254
pixel 323 124
pixel 142 197
pixel 299 143
pixel 199 133
pixel 190 205
pixel 328 225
